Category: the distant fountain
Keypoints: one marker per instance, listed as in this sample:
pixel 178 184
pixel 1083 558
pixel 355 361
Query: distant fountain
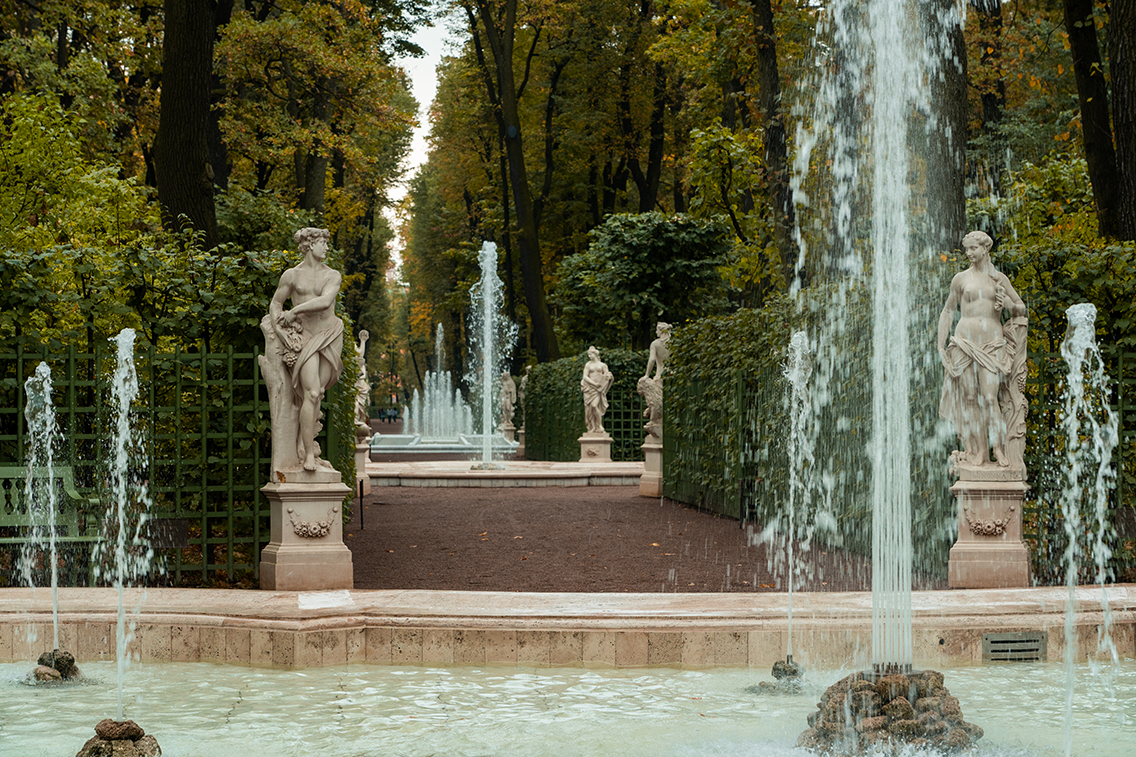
pixel 493 338
pixel 439 413
pixel 438 419
pixel 1091 436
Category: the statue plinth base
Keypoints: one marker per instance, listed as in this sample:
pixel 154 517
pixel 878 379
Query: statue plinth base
pixel 509 431
pixel 595 447
pixel 362 457
pixel 989 553
pixel 307 551
pixel 520 451
pixel 651 482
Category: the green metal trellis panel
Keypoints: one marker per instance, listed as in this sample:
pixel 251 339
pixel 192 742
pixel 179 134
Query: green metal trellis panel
pixel 205 424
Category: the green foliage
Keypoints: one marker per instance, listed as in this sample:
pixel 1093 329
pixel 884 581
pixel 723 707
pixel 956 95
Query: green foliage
pixel 258 220
pixel 727 421
pixel 554 407
pixel 724 417
pixel 49 192
pixel 1046 241
pixel 640 269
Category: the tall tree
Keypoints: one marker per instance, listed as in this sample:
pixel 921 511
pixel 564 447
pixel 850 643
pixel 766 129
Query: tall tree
pixel 496 22
pixel 181 149
pixel 778 194
pixel 1122 65
pixel 1096 130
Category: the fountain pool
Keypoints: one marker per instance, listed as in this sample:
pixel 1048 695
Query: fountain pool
pixel 208 710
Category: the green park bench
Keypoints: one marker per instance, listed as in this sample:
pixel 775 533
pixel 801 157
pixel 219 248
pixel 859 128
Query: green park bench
pixel 76 516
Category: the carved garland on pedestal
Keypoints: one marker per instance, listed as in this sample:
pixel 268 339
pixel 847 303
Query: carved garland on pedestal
pixel 312 529
pixel 995 527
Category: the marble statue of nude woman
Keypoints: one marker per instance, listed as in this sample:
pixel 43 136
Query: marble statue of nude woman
pixel 984 361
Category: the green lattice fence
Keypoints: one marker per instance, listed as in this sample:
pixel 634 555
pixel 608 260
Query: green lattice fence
pixel 205 419
pixel 554 407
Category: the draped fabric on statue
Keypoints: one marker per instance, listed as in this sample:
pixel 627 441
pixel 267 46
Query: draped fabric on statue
pixel 327 343
pixel 962 353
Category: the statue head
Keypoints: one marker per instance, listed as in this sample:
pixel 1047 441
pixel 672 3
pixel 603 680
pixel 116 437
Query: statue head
pixel 593 353
pixel 308 236
pixel 662 329
pixel 979 240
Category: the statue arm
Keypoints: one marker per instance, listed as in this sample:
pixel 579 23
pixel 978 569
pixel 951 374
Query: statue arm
pixel 276 307
pixel 652 359
pixel 1017 306
pixel 948 315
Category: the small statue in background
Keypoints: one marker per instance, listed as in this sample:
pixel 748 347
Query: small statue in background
pixel 659 351
pixel 596 381
pixel 508 399
pixel 985 362
pixel 651 387
pixel 362 389
pixel 652 391
pixel 521 392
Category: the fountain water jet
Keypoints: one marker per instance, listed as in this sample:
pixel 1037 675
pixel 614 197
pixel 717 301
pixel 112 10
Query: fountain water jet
pixel 127 511
pixel 40 415
pixel 493 340
pixel 1091 435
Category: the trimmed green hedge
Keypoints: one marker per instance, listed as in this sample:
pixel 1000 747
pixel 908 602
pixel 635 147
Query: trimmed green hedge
pixel 554 407
pixel 727 424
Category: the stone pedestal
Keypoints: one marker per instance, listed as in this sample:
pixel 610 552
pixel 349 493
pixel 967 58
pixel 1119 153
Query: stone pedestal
pixel 595 447
pixel 651 482
pixel 509 431
pixel 362 457
pixel 989 553
pixel 521 442
pixel 307 550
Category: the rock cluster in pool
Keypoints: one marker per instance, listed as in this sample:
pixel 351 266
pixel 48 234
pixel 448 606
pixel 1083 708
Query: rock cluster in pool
pixel 56 665
pixel 120 738
pixel 864 712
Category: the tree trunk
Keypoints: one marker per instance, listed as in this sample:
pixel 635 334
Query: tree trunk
pixel 992 86
pixel 778 194
pixel 218 150
pixel 181 150
pixel 946 165
pixel 500 43
pixel 1096 130
pixel 1122 65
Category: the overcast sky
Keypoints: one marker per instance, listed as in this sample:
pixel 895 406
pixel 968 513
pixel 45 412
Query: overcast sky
pixel 435 41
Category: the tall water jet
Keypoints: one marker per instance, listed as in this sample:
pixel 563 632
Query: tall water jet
pixel 130 554
pixel 796 372
pixel 1091 435
pixel 40 501
pixel 882 211
pixel 870 205
pixel 493 339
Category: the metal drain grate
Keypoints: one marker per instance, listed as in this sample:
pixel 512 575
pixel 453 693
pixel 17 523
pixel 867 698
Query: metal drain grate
pixel 1025 646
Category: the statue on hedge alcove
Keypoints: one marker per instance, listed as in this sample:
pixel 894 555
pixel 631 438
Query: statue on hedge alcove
pixel 596 381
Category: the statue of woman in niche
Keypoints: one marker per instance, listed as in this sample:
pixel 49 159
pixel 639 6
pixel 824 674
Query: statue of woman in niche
pixel 508 396
pixel 983 391
pixel 595 383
